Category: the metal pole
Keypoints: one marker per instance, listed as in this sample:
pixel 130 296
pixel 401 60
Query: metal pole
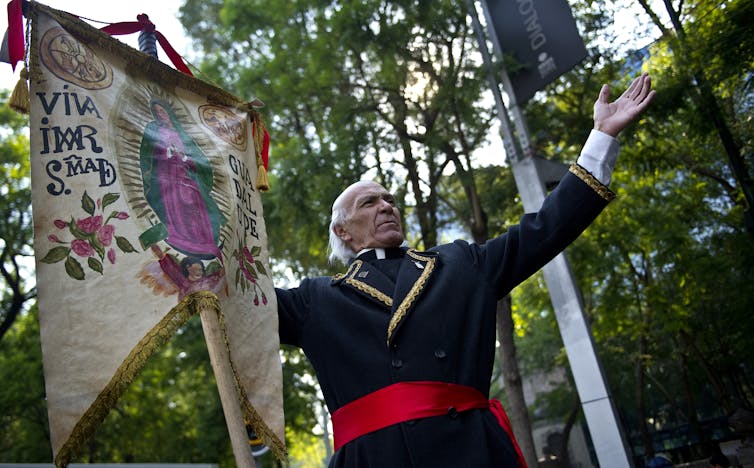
pixel 597 404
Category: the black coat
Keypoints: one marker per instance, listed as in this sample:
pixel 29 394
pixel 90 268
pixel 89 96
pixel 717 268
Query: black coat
pixel 362 332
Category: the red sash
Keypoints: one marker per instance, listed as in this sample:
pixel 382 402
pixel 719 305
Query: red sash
pixel 405 401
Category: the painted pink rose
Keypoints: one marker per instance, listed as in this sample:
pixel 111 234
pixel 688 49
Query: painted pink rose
pixel 105 234
pixel 122 215
pixel 90 224
pixel 111 256
pixel 82 248
pixel 264 299
pixel 60 224
pixel 53 238
pixel 256 301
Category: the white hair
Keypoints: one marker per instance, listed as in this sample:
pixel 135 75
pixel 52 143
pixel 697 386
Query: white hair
pixel 339 250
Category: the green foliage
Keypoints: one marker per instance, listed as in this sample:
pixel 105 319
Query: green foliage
pixel 365 89
pixel 15 217
pixel 665 271
pixel 24 434
pixel 391 90
pixel 170 413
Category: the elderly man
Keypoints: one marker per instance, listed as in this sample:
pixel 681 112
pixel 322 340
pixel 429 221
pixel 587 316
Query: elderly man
pixel 403 342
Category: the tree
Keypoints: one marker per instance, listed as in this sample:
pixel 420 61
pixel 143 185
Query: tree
pixel 15 217
pixel 385 89
pixel 390 90
pixel 706 73
pixel 24 434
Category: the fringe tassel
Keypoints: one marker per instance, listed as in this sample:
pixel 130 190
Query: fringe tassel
pixel 19 99
pixel 263 181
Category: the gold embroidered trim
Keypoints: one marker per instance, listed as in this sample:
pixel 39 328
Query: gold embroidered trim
pixel 135 361
pixel 128 370
pixel 339 276
pixel 418 286
pixel 601 189
pixel 250 413
pixel 360 285
pixel 154 70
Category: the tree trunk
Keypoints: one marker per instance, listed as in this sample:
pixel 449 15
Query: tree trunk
pixel 688 392
pixel 565 460
pixel 713 376
pixel 514 390
pixel 641 404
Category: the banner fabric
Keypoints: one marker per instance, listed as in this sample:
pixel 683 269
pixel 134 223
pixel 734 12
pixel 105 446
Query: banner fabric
pixel 146 210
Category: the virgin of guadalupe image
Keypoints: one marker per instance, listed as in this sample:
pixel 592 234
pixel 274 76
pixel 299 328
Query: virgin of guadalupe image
pixel 177 179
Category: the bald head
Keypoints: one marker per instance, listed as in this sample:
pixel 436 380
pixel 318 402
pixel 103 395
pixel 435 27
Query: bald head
pixel 364 216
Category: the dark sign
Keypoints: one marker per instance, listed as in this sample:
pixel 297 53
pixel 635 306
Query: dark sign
pixel 541 35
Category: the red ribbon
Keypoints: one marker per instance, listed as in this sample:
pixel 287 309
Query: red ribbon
pixel 15 33
pixel 143 24
pixel 266 149
pixel 404 401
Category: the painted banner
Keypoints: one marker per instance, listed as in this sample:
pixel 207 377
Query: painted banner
pixel 541 35
pixel 146 209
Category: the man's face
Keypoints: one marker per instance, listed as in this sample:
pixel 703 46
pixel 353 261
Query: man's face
pixel 373 221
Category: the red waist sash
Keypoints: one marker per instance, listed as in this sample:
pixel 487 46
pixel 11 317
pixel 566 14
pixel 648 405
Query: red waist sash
pixel 405 401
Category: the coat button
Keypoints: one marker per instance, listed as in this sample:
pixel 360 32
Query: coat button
pixel 440 353
pixel 452 412
pixel 397 363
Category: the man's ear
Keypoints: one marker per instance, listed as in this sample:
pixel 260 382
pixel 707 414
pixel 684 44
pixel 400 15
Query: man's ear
pixel 341 233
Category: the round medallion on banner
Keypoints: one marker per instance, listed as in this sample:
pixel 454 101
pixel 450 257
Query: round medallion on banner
pixel 72 61
pixel 230 127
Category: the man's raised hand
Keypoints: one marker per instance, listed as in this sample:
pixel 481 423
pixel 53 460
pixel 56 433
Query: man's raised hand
pixel 612 117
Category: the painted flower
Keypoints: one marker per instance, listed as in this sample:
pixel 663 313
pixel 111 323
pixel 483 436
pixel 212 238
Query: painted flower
pixel 122 215
pixel 82 248
pixel 60 224
pixel 248 255
pixel 54 238
pixel 264 299
pixel 90 225
pixel 246 272
pixel 111 256
pixel 105 234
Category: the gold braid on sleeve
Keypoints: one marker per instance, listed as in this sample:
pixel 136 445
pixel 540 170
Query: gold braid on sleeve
pixel 601 189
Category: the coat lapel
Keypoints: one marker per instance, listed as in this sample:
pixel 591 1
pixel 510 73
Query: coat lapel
pixel 399 298
pixel 413 278
pixel 369 282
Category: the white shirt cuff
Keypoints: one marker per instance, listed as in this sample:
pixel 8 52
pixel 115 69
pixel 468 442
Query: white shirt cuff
pixel 599 156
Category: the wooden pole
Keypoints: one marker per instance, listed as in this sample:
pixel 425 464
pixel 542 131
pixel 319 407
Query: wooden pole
pixel 218 356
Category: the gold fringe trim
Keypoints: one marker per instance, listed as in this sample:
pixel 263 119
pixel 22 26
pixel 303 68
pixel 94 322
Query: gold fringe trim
pixel 135 361
pixel 418 286
pixel 361 286
pixel 601 189
pixel 19 99
pixel 251 415
pixel 146 65
pixel 127 372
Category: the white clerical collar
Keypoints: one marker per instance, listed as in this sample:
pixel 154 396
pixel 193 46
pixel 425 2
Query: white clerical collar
pixel 380 252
